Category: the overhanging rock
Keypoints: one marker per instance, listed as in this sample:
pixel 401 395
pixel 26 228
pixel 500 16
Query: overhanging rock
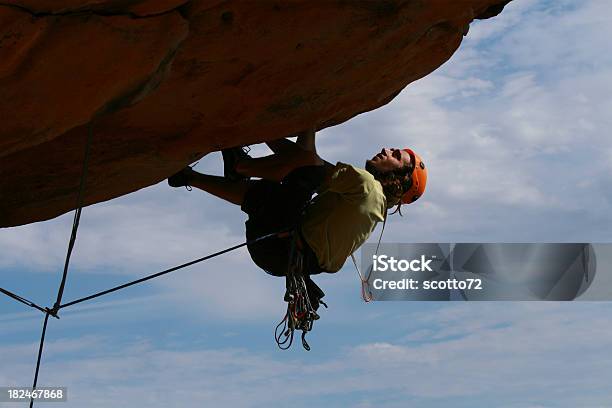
pixel 163 82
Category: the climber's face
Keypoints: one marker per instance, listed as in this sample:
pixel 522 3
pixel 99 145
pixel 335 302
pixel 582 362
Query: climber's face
pixel 389 160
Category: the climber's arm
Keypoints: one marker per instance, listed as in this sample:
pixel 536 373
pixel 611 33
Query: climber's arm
pixel 276 166
pixel 305 141
pixel 287 157
pixel 282 146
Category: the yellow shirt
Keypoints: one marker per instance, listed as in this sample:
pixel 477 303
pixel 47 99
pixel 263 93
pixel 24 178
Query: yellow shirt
pixel 343 215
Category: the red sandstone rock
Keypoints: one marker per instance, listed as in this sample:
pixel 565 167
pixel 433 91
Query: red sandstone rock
pixel 161 91
pixel 135 7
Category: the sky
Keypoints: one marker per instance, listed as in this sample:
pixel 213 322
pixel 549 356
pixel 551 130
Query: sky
pixel 514 130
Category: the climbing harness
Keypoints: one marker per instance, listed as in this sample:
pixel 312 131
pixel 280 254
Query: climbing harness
pixel 301 309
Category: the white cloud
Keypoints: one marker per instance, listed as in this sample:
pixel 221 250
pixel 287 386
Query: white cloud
pixel 545 352
pixel 512 16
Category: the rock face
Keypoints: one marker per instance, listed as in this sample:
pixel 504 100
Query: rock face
pixel 161 83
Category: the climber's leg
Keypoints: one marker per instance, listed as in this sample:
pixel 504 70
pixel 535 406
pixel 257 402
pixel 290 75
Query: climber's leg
pixel 271 209
pixel 232 191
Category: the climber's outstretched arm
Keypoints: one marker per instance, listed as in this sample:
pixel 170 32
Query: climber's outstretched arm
pixel 287 157
pixel 276 166
pixel 282 146
pixel 305 141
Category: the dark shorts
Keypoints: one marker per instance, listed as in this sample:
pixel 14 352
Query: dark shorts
pixel 274 207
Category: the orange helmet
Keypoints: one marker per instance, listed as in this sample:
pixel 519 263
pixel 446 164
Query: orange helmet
pixel 419 179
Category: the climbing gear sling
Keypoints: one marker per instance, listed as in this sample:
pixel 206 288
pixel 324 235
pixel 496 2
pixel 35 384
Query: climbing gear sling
pixel 301 308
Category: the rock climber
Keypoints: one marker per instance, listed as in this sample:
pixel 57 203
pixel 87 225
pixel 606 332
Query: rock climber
pixel 350 201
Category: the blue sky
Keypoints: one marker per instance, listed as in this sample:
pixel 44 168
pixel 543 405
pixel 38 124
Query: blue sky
pixel 514 129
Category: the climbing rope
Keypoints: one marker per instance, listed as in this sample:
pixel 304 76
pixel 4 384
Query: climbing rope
pixel 134 282
pixel 23 300
pixel 76 220
pixel 175 268
pixel 73 235
pixel 366 294
pixel 53 312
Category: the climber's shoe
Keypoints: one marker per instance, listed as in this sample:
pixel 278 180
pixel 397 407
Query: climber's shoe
pixel 181 179
pixel 231 157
